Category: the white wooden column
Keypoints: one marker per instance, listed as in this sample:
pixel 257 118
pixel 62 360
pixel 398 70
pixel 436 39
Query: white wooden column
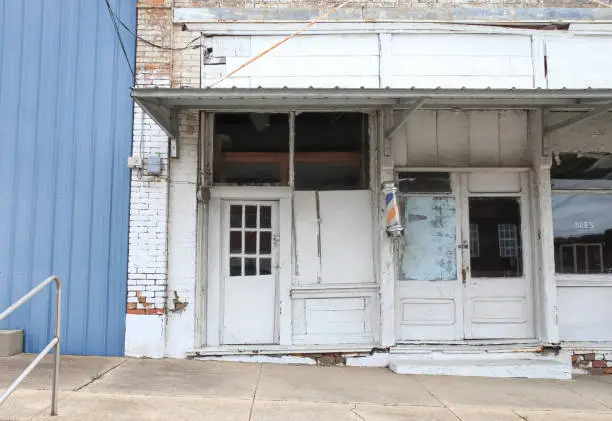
pixel 545 282
pixel 386 265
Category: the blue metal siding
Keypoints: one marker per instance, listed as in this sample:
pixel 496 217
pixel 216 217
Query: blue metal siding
pixel 65 133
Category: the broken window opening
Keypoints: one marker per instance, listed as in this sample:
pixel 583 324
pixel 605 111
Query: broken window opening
pixel 331 151
pixel 251 149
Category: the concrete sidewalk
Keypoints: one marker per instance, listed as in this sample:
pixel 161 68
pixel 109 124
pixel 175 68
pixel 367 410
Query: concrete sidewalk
pixel 123 389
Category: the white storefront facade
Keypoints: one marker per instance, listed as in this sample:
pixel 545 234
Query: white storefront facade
pixel 264 230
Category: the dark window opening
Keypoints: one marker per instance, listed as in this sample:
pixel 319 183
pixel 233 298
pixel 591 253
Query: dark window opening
pixel 584 170
pixel 251 148
pixel 424 182
pixel 331 151
pixel 499 237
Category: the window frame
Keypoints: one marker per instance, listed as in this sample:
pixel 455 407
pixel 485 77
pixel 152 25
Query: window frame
pixel 368 163
pixel 579 279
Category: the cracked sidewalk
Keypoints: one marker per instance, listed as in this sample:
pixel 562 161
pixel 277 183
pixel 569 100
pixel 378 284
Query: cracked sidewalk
pixel 124 389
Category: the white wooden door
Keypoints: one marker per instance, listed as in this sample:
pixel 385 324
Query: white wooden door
pixel 464 266
pixel 249 284
pixel 429 295
pixel 496 271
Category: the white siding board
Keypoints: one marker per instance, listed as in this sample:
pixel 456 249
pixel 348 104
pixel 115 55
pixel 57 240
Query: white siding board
pixel 422 65
pixel 579 62
pixel 453 139
pixel 461 44
pixel 335 304
pixel 346 236
pixel 421 138
pixel 306 238
pixel 315 82
pixel 231 46
pixel 317 45
pixel 513 141
pixel 306 66
pixel 484 138
pixel 234 81
pixel 461 60
pixel 456 82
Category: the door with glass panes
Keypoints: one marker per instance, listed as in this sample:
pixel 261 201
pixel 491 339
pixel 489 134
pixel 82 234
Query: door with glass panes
pixel 464 260
pixel 249 286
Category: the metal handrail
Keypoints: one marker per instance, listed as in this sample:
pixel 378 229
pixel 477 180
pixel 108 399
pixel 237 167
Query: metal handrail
pixel 55 342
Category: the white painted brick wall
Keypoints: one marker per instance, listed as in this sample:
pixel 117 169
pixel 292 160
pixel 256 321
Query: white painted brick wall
pixel 147 257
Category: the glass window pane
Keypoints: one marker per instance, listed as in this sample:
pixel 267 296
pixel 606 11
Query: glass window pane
pixel 429 248
pixel 235 266
pixel 265 217
pixel 265 266
pixel 500 245
pixel 250 216
pixel 582 225
pixel 265 242
pixel 250 242
pixel 235 242
pixel 250 267
pixel 424 182
pixel 235 216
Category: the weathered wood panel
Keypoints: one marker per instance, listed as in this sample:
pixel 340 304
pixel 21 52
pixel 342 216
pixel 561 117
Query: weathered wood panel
pixel 306 237
pixel 322 61
pixel 346 237
pixel 460 138
pixel 484 138
pixel 333 320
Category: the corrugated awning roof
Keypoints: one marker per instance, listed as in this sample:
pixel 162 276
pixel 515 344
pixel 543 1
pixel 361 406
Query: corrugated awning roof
pixel 162 103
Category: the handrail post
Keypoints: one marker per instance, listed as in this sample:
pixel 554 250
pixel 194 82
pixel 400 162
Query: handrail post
pixel 56 357
pixel 55 342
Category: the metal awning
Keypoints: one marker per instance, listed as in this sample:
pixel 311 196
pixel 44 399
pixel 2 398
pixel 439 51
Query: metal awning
pixel 162 104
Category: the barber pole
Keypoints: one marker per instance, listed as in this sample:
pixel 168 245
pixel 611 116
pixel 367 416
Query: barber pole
pixel 394 225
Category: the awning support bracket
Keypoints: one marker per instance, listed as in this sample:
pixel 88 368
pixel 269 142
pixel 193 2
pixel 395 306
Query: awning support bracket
pixel 405 116
pixel 174 140
pixel 602 109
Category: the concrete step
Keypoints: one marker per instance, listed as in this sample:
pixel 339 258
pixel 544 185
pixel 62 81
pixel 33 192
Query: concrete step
pixel 527 366
pixel 11 342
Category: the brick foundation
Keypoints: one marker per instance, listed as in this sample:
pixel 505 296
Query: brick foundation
pixel 593 362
